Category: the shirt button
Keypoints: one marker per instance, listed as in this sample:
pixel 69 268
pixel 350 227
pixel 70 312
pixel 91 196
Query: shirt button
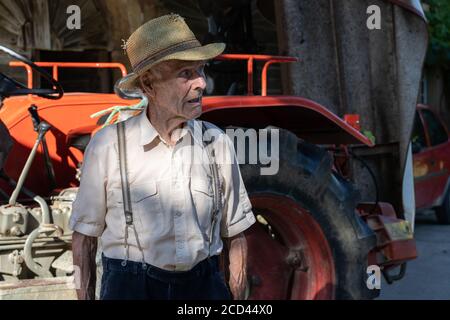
pixel 178 214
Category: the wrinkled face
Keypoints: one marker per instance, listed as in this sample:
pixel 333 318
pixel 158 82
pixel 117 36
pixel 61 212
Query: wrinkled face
pixel 177 87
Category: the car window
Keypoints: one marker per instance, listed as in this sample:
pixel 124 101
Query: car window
pixel 418 135
pixel 436 131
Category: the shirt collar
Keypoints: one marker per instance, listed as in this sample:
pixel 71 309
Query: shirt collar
pixel 148 132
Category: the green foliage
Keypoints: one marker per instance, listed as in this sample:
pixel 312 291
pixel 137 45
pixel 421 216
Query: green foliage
pixel 438 17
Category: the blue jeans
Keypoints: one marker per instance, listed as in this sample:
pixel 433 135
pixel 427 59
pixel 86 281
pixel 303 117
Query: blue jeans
pixel 133 282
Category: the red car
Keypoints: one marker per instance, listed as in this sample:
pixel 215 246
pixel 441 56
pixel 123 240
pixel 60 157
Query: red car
pixel 431 149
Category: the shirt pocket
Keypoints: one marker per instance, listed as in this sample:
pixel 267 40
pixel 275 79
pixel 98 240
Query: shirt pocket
pixel 145 205
pixel 203 197
pixel 147 208
pixel 115 217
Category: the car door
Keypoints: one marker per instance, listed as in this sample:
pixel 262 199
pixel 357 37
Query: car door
pixel 422 163
pixel 440 148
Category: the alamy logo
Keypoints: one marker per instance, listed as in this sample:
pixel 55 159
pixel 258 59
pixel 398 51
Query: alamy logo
pixel 258 148
pixel 251 147
pixel 374 279
pixel 74 20
pixel 374 20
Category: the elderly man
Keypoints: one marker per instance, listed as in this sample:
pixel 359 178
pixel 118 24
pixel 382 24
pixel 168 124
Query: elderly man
pixel 161 210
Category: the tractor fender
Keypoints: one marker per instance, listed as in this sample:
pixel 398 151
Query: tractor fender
pixel 307 119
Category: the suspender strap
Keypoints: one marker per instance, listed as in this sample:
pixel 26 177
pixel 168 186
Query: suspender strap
pixel 126 193
pixel 217 192
pixel 123 173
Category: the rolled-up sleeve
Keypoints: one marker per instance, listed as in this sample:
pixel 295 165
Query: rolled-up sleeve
pixel 89 207
pixel 237 215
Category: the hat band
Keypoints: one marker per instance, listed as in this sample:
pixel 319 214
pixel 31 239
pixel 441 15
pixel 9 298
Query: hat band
pixel 185 45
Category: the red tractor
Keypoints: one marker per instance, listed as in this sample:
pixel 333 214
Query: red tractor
pixel 313 239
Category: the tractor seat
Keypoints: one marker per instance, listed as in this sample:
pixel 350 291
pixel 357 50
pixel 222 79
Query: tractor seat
pixel 6 143
pixel 79 138
pixel 80 142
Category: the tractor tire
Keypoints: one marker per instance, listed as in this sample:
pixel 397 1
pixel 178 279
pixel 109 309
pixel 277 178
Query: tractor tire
pixel 443 211
pixel 308 241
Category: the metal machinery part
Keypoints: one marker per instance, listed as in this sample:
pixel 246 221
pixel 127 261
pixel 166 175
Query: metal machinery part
pixel 29 247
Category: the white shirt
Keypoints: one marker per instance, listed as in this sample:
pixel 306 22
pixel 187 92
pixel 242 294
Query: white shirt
pixel 171 191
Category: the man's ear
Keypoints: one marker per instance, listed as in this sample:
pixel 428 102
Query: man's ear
pixel 146 85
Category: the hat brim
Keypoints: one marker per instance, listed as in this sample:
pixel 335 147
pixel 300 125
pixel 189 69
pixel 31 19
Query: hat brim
pixel 206 52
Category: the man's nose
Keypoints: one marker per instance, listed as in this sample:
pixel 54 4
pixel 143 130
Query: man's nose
pixel 200 82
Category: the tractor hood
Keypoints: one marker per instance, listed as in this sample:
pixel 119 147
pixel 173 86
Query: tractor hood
pixel 308 120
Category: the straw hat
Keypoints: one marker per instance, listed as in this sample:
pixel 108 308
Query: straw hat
pixel 164 38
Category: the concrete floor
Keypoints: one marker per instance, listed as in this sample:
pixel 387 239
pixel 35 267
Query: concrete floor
pixel 427 277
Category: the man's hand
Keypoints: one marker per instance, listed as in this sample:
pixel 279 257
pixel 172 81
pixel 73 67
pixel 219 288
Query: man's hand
pixel 237 252
pixel 84 249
